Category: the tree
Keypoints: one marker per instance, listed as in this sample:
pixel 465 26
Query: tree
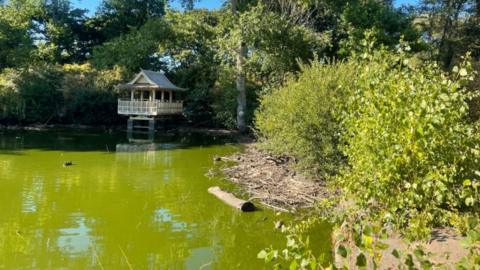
pixel 188 4
pixel 62 30
pixel 116 17
pixel 452 28
pixel 16 22
pixel 240 81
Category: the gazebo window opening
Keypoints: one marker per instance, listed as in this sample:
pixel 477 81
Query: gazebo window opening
pixel 137 95
pixel 166 96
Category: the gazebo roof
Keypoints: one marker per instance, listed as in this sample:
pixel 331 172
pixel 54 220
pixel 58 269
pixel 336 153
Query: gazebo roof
pixel 151 80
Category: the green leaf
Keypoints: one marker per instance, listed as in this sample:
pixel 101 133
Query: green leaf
pixel 469 201
pixel 361 260
pixel 409 260
pixel 293 265
pixel 342 251
pixel 367 241
pixel 290 242
pixel 381 246
pixel 396 253
pixel 418 252
pixel 262 254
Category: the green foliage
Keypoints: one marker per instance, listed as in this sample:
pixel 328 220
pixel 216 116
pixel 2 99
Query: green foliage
pixel 38 89
pixel 11 105
pixel 66 94
pixel 360 244
pixel 15 42
pixel 300 118
pixel 276 45
pixel 62 32
pixel 131 51
pixel 89 95
pixel 451 27
pixel 297 253
pixel 389 23
pixel 412 155
pixel 118 17
pixel 472 243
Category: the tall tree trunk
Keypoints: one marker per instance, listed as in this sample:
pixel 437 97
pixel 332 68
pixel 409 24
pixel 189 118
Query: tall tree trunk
pixel 241 95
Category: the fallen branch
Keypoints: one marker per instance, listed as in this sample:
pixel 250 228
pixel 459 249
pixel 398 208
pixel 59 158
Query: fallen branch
pixel 231 200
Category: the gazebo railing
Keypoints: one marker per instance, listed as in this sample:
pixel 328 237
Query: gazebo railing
pixel 149 107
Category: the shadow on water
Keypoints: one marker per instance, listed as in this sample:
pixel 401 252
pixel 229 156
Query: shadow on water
pixel 127 203
pixel 14 142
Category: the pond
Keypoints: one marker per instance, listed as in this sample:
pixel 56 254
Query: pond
pixel 123 204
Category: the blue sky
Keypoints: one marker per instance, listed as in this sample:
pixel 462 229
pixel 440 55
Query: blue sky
pixel 92 5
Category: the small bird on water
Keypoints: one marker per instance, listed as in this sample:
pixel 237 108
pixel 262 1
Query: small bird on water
pixel 67 163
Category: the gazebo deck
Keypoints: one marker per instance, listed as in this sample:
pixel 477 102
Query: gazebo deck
pixel 149 107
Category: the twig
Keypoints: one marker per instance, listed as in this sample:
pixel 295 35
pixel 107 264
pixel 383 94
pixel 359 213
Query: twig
pixel 275 207
pixel 205 265
pixel 125 257
pixel 95 254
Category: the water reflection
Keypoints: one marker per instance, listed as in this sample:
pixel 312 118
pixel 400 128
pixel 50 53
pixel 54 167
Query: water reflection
pixel 166 221
pixel 31 196
pixel 75 239
pixel 123 204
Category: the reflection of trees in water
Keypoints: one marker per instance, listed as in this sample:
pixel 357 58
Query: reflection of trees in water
pixel 150 207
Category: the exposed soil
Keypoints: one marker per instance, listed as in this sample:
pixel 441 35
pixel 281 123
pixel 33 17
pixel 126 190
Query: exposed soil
pixel 272 181
pixel 444 248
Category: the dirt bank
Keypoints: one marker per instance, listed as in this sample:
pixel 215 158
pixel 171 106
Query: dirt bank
pixel 444 247
pixel 272 180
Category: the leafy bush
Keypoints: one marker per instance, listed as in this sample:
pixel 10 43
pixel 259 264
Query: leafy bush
pixel 300 120
pixel 403 127
pixel 39 91
pixel 59 94
pixel 89 94
pixel 412 154
pixel 11 105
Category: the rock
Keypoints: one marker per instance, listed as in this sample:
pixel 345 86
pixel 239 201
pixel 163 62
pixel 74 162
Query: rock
pixel 216 159
pixel 67 163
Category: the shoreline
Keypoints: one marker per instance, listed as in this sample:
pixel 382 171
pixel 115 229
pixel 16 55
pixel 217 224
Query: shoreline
pixel 272 181
pixel 276 184
pixel 179 129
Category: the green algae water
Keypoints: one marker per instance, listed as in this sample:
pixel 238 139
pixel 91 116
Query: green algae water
pixel 123 204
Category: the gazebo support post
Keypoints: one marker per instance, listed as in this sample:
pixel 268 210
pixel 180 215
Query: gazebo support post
pixel 151 125
pixel 130 125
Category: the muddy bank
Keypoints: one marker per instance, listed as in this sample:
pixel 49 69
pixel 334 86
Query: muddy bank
pixel 272 181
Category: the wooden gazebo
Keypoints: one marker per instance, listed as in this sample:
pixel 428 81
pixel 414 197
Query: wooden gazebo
pixel 149 95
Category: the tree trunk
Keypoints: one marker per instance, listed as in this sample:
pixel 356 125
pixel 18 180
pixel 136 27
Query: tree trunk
pixel 231 200
pixel 241 95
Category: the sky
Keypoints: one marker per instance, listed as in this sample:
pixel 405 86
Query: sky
pixel 92 5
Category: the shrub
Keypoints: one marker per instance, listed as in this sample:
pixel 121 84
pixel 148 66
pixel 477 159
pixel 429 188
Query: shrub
pixel 53 94
pixel 412 153
pixel 39 91
pixel 299 119
pixel 11 105
pixel 89 94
